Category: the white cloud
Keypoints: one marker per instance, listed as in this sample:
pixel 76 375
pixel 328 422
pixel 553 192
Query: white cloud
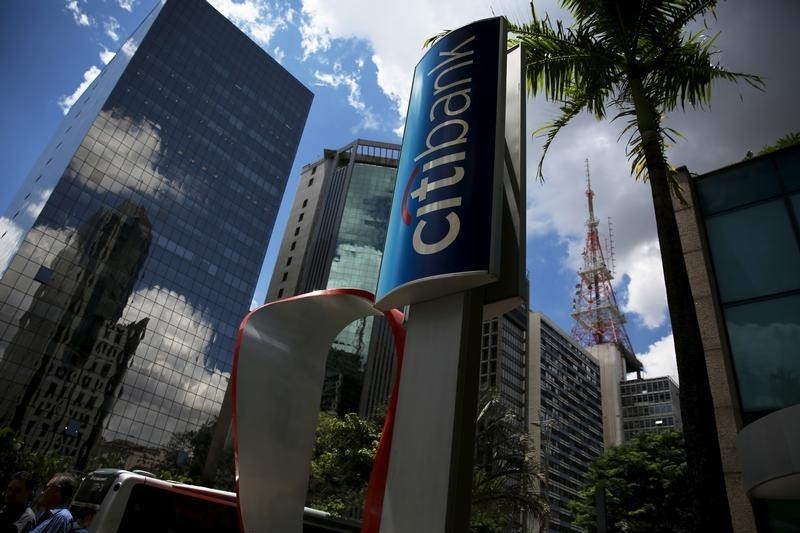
pixel 558 207
pixel 278 54
pixel 13 232
pixel 395 31
pixel 127 5
pixel 67 101
pixel 130 47
pixel 81 18
pixel 11 235
pixel 111 27
pixel 659 359
pixel 257 19
pixel 179 363
pixel 106 56
pixel 350 80
pixel 646 295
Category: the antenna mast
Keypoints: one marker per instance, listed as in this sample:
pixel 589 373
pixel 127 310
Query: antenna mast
pixel 598 319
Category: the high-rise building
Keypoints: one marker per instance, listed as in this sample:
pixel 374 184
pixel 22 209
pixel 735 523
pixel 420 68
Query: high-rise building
pixel 132 251
pixel 504 362
pixel 740 234
pixel 564 413
pixel 650 405
pixel 334 238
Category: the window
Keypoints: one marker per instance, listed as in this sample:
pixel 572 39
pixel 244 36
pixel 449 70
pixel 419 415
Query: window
pixel 310 182
pixel 285 275
pixel 291 248
pixel 297 230
pixel 305 202
pixel 280 293
pixel 288 260
pixel 300 218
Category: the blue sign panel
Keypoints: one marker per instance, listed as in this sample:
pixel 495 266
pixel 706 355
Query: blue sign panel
pixel 443 220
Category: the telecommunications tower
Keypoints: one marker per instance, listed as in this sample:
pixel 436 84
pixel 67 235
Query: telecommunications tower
pixel 598 319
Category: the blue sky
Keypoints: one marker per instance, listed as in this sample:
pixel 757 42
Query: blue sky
pixel 357 56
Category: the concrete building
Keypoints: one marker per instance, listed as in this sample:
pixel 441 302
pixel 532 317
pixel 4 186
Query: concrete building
pixel 564 413
pixel 132 251
pixel 741 244
pixel 335 238
pixel 650 405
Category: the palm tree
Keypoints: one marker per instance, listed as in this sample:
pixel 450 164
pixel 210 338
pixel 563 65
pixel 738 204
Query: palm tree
pixel 635 57
pixel 507 481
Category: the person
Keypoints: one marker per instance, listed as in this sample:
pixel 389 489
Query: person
pixel 16 516
pixel 55 499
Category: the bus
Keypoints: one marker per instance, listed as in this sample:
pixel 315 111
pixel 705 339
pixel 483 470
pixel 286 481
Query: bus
pixel 136 502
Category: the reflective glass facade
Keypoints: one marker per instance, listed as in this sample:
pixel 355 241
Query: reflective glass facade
pixel 751 213
pixel 148 218
pixel 335 239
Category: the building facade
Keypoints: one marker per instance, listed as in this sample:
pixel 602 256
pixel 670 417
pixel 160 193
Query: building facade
pixel 650 405
pixel 740 234
pixel 132 251
pixel 334 238
pixel 564 413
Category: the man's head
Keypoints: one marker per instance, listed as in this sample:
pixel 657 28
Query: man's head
pixel 19 489
pixel 59 491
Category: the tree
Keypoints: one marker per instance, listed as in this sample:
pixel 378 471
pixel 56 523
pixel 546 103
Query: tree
pixel 637 58
pixel 14 457
pixel 507 479
pixel 186 456
pixel 790 139
pixel 645 483
pixel 344 449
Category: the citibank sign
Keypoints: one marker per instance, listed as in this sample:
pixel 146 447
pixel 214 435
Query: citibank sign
pixel 445 214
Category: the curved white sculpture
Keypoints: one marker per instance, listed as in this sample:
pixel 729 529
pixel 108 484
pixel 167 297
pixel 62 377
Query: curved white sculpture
pixel 278 372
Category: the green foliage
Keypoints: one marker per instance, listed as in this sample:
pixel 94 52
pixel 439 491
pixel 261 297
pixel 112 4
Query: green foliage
pixel 14 457
pixel 344 449
pixel 646 487
pixel 790 139
pixel 186 455
pixel 633 57
pixel 507 479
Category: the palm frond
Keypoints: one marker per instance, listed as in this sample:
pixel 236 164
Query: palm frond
pixel 432 39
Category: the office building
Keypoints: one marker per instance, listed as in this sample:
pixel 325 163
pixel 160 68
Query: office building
pixel 650 405
pixel 564 413
pixel 504 362
pixel 741 244
pixel 131 253
pixel 334 238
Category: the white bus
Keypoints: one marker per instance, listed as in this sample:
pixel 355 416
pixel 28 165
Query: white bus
pixel 137 502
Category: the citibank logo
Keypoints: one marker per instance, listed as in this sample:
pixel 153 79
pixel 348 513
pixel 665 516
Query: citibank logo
pixel 449 129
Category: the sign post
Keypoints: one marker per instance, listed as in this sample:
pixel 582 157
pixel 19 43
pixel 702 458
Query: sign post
pixel 455 216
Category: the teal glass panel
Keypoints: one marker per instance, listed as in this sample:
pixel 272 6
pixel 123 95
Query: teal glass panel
pixel 737 186
pixel 789 169
pixel 764 338
pixel 754 251
pixel 795 202
pixel 359 246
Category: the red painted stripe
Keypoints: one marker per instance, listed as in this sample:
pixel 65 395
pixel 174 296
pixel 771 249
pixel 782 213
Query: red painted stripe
pixel 404 206
pixel 376 490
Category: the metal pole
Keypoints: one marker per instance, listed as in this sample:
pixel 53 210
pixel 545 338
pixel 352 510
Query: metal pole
pixel 435 426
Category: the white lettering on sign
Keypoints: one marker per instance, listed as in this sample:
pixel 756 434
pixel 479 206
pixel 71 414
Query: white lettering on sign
pixel 447 132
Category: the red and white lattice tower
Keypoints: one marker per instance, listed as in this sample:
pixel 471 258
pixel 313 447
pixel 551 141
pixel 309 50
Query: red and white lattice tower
pixel 598 319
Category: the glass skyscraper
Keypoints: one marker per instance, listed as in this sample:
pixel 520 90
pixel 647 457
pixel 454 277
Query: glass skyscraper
pixel 334 238
pixel 132 251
